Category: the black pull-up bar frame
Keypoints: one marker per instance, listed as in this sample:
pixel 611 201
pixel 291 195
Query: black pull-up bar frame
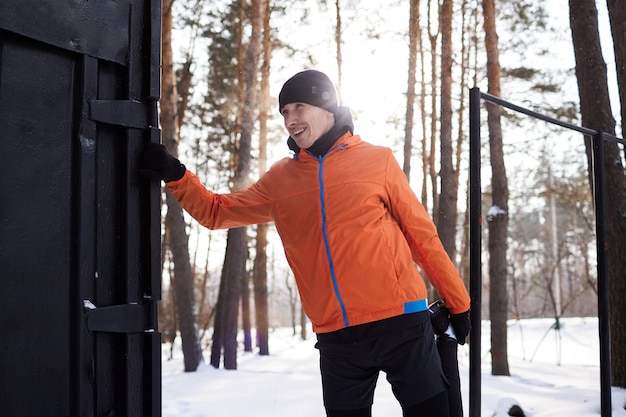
pixel 476 245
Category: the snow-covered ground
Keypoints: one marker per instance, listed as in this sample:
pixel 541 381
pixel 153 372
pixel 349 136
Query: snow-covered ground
pixel 287 383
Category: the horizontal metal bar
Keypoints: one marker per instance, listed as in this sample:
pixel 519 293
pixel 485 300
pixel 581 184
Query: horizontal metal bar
pixel 581 129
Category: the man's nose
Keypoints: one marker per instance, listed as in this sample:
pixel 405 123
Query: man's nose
pixel 290 120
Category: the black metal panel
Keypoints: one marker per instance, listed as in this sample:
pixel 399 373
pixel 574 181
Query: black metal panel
pixel 79 229
pixel 35 223
pixel 95 28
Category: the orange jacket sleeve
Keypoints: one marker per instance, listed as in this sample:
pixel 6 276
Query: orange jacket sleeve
pixel 421 235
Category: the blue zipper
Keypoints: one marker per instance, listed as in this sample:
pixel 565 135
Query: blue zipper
pixel 328 254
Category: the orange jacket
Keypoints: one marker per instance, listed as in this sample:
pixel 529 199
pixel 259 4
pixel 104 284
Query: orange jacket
pixel 351 228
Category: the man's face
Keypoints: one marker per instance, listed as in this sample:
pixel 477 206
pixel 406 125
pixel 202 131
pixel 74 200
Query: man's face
pixel 306 123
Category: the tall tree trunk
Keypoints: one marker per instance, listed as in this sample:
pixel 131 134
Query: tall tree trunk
pixel 446 218
pixel 227 310
pixel 432 171
pixel 414 33
pixel 617 17
pixel 433 36
pixel 237 246
pixel 259 277
pixel 595 107
pixel 303 323
pixel 246 319
pixel 174 221
pixel 498 219
pixel 465 60
pixel 259 273
pixel 423 118
pixel 338 41
pixel 219 322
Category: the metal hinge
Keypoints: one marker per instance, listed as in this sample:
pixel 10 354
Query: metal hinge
pixel 126 113
pixel 122 318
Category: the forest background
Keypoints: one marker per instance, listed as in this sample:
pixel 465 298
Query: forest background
pixel 405 69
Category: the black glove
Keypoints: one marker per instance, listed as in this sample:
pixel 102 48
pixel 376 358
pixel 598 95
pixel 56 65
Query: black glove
pixel 156 163
pixel 439 317
pixel 461 326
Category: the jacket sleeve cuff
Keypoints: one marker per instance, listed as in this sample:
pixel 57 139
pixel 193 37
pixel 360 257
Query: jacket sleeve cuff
pixel 179 181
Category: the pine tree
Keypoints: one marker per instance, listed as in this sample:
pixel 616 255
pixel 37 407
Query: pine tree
pixel 174 222
pixel 497 222
pixel 595 107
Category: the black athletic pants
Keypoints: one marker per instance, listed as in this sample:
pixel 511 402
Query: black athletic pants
pixel 436 406
pixel 403 347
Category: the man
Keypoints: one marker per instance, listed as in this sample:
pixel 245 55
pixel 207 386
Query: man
pixel 352 232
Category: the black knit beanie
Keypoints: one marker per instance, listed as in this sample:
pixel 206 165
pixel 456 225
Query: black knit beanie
pixel 311 87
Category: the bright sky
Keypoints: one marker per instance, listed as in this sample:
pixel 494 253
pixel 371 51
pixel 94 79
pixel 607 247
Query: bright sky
pixel 374 68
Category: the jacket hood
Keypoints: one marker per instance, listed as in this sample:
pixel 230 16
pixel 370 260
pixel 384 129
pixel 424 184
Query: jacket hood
pixel 343 124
